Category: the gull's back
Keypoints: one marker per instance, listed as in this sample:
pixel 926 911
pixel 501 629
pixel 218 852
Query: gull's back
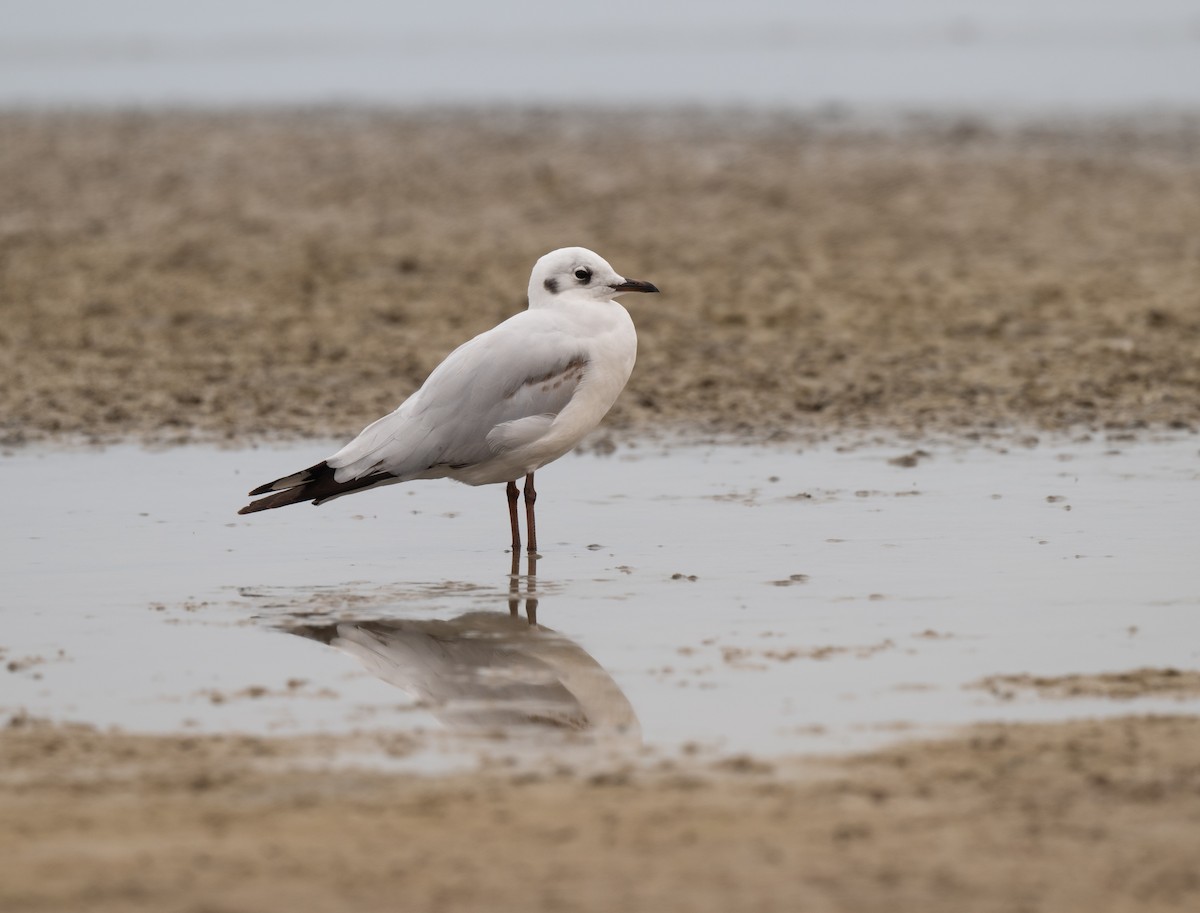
pixel 530 366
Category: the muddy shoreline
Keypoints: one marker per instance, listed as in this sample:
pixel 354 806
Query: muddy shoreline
pixel 1089 816
pixel 266 274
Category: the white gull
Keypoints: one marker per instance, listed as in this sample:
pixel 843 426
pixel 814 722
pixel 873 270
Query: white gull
pixel 502 405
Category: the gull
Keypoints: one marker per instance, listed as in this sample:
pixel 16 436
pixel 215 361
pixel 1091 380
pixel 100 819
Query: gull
pixel 502 405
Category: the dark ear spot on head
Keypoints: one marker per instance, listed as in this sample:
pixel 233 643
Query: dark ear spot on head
pixel 551 285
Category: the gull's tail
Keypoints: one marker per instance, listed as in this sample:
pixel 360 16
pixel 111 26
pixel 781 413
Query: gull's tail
pixel 316 484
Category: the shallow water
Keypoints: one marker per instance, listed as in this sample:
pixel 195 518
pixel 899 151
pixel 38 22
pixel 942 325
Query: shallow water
pixel 735 599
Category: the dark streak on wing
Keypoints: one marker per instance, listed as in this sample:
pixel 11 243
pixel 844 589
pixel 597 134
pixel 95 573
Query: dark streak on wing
pixel 572 369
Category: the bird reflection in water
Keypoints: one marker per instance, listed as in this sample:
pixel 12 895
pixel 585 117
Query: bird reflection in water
pixel 488 672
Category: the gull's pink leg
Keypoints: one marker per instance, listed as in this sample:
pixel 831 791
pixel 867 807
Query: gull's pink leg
pixel 513 493
pixel 530 500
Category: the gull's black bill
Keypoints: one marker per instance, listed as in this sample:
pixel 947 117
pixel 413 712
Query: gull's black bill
pixel 635 285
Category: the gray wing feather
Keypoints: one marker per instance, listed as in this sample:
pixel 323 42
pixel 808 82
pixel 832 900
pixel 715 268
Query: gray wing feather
pixel 499 377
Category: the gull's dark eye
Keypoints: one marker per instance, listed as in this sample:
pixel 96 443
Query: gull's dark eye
pixel 583 275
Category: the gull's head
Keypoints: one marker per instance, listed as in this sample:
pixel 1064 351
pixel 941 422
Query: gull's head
pixel 578 274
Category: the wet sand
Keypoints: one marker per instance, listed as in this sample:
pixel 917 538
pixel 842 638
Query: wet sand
pixel 1168 682
pixel 182 276
pixel 1078 817
pixel 249 277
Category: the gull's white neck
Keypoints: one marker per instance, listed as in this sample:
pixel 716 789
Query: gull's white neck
pixel 566 300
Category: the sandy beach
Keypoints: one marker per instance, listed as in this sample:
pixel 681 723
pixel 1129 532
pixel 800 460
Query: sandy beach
pixel 244 278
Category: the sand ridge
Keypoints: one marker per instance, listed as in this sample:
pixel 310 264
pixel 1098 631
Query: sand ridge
pixel 1158 682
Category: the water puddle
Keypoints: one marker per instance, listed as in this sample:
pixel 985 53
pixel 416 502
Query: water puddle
pixel 688 598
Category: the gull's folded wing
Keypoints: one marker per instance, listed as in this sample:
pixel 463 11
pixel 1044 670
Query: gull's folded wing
pixel 523 369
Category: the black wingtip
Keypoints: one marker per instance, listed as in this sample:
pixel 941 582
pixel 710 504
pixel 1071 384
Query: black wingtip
pixel 316 484
pixel 295 480
pixel 277 499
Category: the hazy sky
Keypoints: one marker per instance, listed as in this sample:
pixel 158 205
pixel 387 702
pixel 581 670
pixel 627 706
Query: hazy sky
pixel 924 53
